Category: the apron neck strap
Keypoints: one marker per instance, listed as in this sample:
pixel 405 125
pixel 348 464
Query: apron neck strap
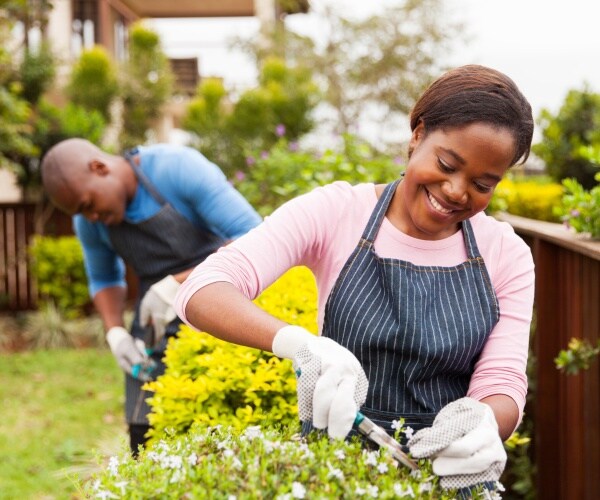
pixel 141 177
pixel 378 213
pixel 372 228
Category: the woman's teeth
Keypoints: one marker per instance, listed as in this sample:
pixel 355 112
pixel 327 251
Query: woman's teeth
pixel 436 205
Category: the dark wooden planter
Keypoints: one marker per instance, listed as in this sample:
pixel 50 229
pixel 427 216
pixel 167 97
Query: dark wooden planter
pixel 567 407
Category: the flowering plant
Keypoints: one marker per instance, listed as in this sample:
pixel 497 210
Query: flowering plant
pixel 216 462
pixel 580 209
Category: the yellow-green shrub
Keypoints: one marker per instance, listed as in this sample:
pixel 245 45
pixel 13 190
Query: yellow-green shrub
pixel 57 266
pixel 532 198
pixel 210 381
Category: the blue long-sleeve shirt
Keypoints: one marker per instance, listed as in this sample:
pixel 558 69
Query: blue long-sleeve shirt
pixel 193 185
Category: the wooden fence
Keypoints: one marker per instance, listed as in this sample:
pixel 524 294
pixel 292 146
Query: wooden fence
pixel 566 410
pixel 18 223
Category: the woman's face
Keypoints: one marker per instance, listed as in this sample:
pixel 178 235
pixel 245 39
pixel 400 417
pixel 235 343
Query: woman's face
pixel 451 175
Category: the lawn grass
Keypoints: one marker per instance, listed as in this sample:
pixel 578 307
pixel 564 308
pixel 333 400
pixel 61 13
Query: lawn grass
pixel 59 410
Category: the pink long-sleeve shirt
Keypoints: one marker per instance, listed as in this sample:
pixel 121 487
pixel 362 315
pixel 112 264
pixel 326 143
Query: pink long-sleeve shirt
pixel 321 229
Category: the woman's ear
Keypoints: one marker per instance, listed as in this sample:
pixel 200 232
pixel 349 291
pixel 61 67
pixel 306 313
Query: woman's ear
pixel 417 135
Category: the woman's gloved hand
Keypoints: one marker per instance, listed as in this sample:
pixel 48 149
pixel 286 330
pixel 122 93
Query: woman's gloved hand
pixel 130 354
pixel 157 306
pixel 464 444
pixel 332 385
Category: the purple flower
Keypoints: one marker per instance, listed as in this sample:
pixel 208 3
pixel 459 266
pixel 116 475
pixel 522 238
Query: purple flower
pixel 575 213
pixel 294 146
pixel 398 160
pixel 250 161
pixel 239 175
pixel 264 155
pixel 280 130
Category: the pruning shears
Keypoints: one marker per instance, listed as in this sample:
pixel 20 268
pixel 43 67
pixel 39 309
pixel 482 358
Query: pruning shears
pixel 375 433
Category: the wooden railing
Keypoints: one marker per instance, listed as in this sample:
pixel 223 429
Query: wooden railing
pixel 18 223
pixel 566 411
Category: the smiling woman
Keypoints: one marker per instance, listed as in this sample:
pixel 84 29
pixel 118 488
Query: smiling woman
pixel 424 301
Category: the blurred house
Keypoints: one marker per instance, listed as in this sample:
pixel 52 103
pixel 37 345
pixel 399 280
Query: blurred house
pixel 75 25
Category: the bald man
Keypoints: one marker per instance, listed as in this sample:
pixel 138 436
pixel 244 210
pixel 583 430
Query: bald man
pixel 161 209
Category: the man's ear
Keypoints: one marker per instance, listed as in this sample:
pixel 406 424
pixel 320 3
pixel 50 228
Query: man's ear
pixel 98 167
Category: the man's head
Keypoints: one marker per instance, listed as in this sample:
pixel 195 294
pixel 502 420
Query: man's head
pixel 81 178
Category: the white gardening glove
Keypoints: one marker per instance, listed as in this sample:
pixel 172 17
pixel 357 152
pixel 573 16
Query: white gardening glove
pixel 157 306
pixel 464 443
pixel 130 353
pixel 332 385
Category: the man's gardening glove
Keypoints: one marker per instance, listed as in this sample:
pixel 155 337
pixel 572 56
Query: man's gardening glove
pixel 157 306
pixel 332 385
pixel 130 354
pixel 464 444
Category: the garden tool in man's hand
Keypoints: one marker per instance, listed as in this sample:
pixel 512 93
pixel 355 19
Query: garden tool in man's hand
pixel 378 435
pixel 131 354
pixel 332 385
pixel 463 443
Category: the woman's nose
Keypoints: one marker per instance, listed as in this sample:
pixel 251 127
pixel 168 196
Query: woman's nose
pixel 455 190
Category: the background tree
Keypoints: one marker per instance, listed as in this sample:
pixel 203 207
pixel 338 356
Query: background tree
pixel 378 65
pixel 280 106
pixel 146 85
pixel 566 135
pixel 93 81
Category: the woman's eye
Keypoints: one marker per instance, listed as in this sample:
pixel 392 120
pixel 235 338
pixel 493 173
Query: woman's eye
pixel 444 167
pixel 482 188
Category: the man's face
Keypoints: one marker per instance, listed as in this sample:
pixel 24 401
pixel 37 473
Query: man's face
pixel 96 193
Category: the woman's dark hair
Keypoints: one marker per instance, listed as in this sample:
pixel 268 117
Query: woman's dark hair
pixel 476 93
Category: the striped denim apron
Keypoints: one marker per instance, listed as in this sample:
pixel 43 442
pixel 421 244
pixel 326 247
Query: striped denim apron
pixel 416 330
pixel 166 243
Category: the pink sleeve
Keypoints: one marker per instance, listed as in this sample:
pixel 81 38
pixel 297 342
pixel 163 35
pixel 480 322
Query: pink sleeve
pixel 501 368
pixel 293 235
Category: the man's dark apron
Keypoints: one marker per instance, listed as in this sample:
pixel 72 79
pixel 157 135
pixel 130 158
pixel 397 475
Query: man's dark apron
pixel 416 330
pixel 166 243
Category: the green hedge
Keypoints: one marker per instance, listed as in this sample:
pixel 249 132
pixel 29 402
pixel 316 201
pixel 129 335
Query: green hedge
pixel 57 266
pixel 210 381
pixel 531 197
pixel 218 463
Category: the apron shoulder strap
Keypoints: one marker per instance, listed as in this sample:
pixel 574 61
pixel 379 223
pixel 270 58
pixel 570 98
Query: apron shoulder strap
pixel 129 155
pixel 372 227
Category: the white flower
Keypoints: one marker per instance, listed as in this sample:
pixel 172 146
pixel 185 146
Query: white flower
pixel 372 490
pixel 371 458
pixel 121 485
pixel 172 462
pixel 176 476
pixel 382 468
pixel 298 490
pixel 236 463
pixel 500 486
pixel 402 492
pixel 425 487
pixel 360 491
pixel 222 444
pixel 192 459
pixel 408 432
pixel 333 472
pixel 113 465
pixel 395 424
pixel 228 453
pixel 416 474
pixel 105 494
pixel 286 496
pixel 253 432
pixel 339 454
pixel 231 497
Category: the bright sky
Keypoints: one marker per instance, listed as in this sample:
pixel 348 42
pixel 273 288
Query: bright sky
pixel 547 46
